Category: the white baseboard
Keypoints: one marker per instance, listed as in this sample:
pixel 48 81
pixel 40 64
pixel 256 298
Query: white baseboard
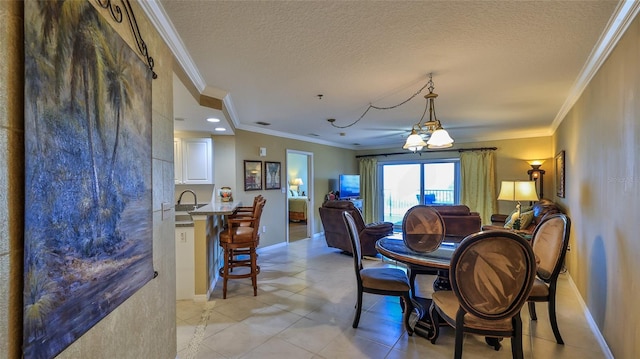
pixel 272 247
pixel 592 323
pixel 200 297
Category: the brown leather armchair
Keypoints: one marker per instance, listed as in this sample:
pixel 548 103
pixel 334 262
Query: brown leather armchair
pixel 335 231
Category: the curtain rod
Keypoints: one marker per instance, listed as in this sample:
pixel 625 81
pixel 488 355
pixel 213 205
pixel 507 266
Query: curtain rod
pixel 425 151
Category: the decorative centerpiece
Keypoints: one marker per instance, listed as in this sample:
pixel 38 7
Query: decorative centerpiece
pixel 225 194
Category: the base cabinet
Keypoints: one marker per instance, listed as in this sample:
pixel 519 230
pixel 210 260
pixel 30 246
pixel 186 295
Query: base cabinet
pixel 185 266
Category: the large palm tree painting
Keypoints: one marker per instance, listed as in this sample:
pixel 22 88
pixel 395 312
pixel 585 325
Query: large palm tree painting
pixel 88 224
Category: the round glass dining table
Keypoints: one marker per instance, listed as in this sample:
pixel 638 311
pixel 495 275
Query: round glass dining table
pixel 394 247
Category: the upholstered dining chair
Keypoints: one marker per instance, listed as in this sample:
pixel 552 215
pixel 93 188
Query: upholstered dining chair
pixel 550 240
pixel 238 241
pixel 378 280
pixel 491 275
pixel 425 224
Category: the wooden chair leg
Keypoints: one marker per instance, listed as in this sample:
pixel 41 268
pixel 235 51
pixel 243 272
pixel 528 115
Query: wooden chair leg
pixel 356 319
pixel 458 345
pixel 435 322
pixel 532 310
pixel 254 272
pixel 516 340
pixel 554 320
pixel 225 275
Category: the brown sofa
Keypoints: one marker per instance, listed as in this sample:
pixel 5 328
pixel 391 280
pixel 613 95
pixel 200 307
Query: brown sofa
pixel 335 230
pixel 459 220
pixel 541 209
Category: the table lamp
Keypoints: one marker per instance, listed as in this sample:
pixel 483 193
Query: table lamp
pixel 297 182
pixel 517 191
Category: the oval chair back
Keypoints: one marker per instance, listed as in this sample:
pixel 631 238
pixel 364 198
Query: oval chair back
pixel 423 228
pixel 492 273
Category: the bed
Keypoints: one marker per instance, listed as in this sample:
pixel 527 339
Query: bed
pixel 297 207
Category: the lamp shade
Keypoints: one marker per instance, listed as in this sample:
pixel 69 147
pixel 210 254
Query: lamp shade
pixel 440 139
pixel 297 182
pixel 518 191
pixel 414 142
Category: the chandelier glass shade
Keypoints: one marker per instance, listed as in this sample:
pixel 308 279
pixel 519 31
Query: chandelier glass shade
pixel 436 136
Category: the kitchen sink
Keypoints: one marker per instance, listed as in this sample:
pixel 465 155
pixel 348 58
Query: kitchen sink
pixel 188 207
pixel 183 218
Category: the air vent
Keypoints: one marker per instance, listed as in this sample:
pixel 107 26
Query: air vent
pixel 179 119
pixel 263 123
pixel 314 134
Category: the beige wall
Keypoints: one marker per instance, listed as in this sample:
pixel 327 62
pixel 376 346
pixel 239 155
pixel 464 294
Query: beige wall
pixel 601 137
pixel 144 325
pixel 329 162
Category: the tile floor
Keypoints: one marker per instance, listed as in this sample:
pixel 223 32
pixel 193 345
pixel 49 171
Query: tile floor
pixel 305 307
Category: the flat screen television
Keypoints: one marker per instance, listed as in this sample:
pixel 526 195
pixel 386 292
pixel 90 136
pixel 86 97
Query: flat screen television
pixel 349 186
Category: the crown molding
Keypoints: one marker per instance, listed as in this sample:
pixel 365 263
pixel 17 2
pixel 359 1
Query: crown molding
pixel 155 12
pixel 622 17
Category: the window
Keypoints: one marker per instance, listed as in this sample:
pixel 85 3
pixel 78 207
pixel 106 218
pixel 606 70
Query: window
pixel 408 184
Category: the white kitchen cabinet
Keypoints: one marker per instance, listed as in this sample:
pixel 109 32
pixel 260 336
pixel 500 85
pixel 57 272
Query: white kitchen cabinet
pixel 185 265
pixel 193 160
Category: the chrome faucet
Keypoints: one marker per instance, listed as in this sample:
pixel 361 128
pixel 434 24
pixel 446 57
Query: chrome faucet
pixel 195 199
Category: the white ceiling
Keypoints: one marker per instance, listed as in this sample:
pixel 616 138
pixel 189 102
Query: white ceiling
pixel 502 69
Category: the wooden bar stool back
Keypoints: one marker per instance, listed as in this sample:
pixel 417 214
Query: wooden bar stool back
pixel 239 243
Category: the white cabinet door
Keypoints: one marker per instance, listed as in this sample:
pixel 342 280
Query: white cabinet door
pixel 193 159
pixel 177 160
pixel 185 266
pixel 197 161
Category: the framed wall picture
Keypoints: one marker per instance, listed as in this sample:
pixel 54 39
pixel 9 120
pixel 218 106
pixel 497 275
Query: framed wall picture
pixel 560 174
pixel 272 175
pixel 252 175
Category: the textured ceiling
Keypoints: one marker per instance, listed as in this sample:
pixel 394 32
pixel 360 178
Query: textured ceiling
pixel 502 69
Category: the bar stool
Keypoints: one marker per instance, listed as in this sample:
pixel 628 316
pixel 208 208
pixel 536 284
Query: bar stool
pixel 241 238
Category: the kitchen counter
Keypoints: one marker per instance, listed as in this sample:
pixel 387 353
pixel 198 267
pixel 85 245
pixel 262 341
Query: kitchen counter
pixel 208 222
pixel 216 208
pixel 184 218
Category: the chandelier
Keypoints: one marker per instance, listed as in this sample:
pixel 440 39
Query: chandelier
pixel 432 131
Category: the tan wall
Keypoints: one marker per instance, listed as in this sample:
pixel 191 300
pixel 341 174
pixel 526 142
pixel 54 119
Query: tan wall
pixel 329 162
pixel 144 325
pixel 601 137
pixel 11 177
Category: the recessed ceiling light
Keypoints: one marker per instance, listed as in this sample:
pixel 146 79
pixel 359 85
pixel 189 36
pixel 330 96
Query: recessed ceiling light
pixel 213 119
pixel 219 129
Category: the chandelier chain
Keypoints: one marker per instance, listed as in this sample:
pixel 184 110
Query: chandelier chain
pixel 429 84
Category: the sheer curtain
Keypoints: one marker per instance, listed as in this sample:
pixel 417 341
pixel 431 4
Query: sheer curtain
pixel 369 188
pixel 477 174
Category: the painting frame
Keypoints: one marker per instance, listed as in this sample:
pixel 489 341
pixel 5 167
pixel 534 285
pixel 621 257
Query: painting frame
pixel 272 178
pixel 88 243
pixel 559 174
pixel 252 175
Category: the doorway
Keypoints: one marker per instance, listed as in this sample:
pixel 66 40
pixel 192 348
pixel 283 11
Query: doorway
pixel 299 169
